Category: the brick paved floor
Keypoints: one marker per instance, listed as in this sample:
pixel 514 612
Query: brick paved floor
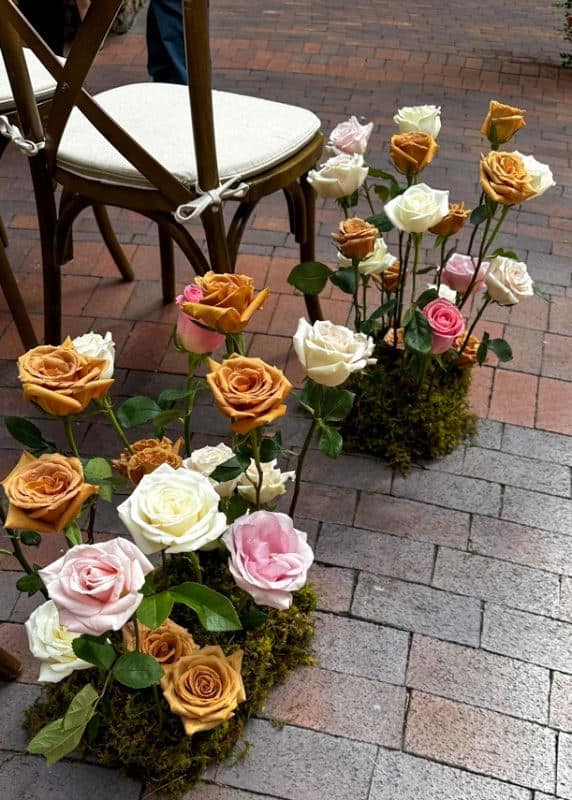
pixel 445 628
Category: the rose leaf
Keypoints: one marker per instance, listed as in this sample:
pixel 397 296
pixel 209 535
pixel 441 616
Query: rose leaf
pixel 155 609
pixel 214 610
pixel 137 670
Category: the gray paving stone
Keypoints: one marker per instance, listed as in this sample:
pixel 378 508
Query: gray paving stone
pixel 526 473
pixel 352 471
pixel 561 702
pixel 14 700
pixel 456 491
pixel 417 608
pixel 481 741
pixel 399 776
pixel 335 587
pixel 566 599
pixel 509 584
pixel 210 791
pixel 479 678
pixel 564 783
pixel 451 463
pixel 326 503
pixel 379 553
pixel 489 434
pixel 8 594
pixel 381 653
pixel 554 447
pixel 539 640
pixel 304 764
pixel 538 510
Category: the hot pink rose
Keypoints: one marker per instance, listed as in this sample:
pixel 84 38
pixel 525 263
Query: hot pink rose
pixel 350 137
pixel 459 270
pixel 269 558
pixel 195 338
pixel 191 294
pixel 95 586
pixel 446 322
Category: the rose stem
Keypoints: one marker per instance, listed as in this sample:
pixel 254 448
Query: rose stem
pixel 368 196
pixel 14 537
pixel 365 282
pixel 401 284
pixel 478 315
pixel 344 207
pixel 256 453
pixel 137 637
pixel 194 360
pixel 395 318
pixel 483 249
pixel 357 317
pixel 417 237
pixel 304 450
pixel 68 423
pixel 196 566
pixel 442 261
pixel 107 409
pixel 475 227
pixel 91 523
pixel 164 560
pixel 158 704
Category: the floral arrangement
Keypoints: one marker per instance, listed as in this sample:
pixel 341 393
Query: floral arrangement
pixel 423 316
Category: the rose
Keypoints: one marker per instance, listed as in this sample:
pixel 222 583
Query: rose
pixel 419 118
pixel 418 208
pixel 355 238
pixel 453 222
pixel 389 338
pixel 502 122
pixel 227 304
pixel 51 642
pixel 444 291
pixel 204 689
pixel 195 338
pixel 61 380
pixel 95 587
pixel 350 137
pixel 249 391
pixel 175 510
pixel 339 177
pixel 206 459
pixel 167 643
pixel 95 345
pixel 46 493
pixel 377 261
pixel 540 174
pixel 390 278
pixel 269 558
pixel 446 323
pixel 508 281
pixel 504 179
pixel 468 357
pixel 411 152
pixel 330 353
pixel 459 270
pixel 146 456
pixel 273 482
pixel 191 294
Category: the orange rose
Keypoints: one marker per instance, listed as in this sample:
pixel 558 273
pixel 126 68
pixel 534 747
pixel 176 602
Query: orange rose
pixel 389 278
pixel 453 222
pixel 167 643
pixel 355 238
pixel 45 493
pixel 413 151
pixel 249 391
pixel 468 357
pixel 502 122
pixel 504 178
pixel 389 338
pixel 61 380
pixel 147 455
pixel 227 303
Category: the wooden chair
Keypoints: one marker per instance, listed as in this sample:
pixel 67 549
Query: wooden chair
pixel 165 151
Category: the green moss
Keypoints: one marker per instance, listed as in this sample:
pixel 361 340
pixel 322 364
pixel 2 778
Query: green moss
pixel 129 734
pixel 403 423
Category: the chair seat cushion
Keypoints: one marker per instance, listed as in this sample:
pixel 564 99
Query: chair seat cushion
pixel 43 83
pixel 251 134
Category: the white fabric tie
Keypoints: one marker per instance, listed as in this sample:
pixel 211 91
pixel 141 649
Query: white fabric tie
pixel 212 197
pixel 15 134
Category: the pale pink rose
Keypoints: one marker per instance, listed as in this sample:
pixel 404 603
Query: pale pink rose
pixel 350 137
pixel 446 323
pixel 195 338
pixel 191 294
pixel 95 587
pixel 269 558
pixel 459 270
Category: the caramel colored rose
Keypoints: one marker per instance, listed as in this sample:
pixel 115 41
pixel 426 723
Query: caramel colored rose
pixel 61 380
pixel 204 689
pixel 504 179
pixel 45 493
pixel 355 238
pixel 468 357
pixel 228 301
pixel 389 278
pixel 413 151
pixel 249 391
pixel 453 222
pixel 167 644
pixel 502 122
pixel 147 455
pixel 389 338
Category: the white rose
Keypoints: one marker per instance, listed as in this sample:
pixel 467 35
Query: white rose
pixel 426 119
pixel 444 291
pixel 206 460
pixel 350 137
pixel 418 208
pixel 339 177
pixel 95 345
pixel 273 482
pixel 330 353
pixel 175 510
pixel 540 174
pixel 378 260
pixel 508 281
pixel 52 644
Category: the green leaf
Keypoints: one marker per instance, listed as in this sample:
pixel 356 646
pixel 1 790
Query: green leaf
pixel 381 222
pixel 155 609
pixel 426 297
pixel 384 308
pixel 501 348
pixel 54 741
pixel 148 587
pixel 97 470
pixel 236 506
pixel 137 411
pixel 30 584
pixel 163 418
pixel 214 610
pixel 169 396
pixel 331 442
pixel 95 650
pixel 30 538
pixel 73 534
pixel 137 670
pixel 375 172
pixel 417 366
pixel 253 618
pixel 308 397
pixel 478 215
pixel 270 447
pixel 28 434
pixel 383 192
pixel 350 201
pixel 309 277
pixel 345 279
pixel 505 254
pixel 230 469
pixel 545 296
pixel 80 710
pixel 483 348
pixel 336 404
pixel 418 335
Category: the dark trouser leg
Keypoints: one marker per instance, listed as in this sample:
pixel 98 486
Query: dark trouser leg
pixel 47 17
pixel 166 42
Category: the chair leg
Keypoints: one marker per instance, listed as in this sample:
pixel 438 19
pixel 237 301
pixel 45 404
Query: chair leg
pixel 215 234
pixel 167 253
pixel 15 301
pixel 308 246
pixel 111 242
pixel 47 221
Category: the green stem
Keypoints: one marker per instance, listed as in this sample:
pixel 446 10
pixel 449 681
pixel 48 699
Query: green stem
pixel 345 210
pixel 368 196
pixel 137 636
pixel 255 444
pixel 475 228
pixel 234 344
pixel 14 537
pixel 401 285
pixel 357 313
pixel 442 261
pixel 504 212
pixel 365 282
pixel 479 261
pixel 68 427
pixel 159 708
pixel 91 523
pixel 196 566
pixel 417 237
pixel 107 408
pixel 304 451
pixel 194 360
pixel 478 315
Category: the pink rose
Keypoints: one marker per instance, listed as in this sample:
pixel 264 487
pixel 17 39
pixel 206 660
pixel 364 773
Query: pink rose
pixel 195 338
pixel 350 137
pixel 459 270
pixel 446 323
pixel 269 558
pixel 95 586
pixel 191 294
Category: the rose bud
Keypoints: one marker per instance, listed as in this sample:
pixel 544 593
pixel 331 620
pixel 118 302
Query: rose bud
pixel 453 222
pixel 355 238
pixel 411 152
pixel 502 122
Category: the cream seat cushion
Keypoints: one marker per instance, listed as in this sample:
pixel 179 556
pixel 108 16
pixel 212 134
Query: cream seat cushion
pixel 43 83
pixel 251 134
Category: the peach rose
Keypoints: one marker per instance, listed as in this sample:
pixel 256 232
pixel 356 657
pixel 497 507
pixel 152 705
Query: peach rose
pixel 204 689
pixel 453 222
pixel 504 178
pixel 227 303
pixel 389 279
pixel 167 643
pixel 61 380
pixel 507 120
pixel 468 357
pixel 389 338
pixel 147 455
pixel 355 238
pixel 249 391
pixel 413 151
pixel 45 493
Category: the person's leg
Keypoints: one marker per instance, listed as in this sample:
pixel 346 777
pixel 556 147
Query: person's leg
pixel 166 42
pixel 47 17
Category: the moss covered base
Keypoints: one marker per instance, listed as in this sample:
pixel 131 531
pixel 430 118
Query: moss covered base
pixel 404 423
pixel 130 734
